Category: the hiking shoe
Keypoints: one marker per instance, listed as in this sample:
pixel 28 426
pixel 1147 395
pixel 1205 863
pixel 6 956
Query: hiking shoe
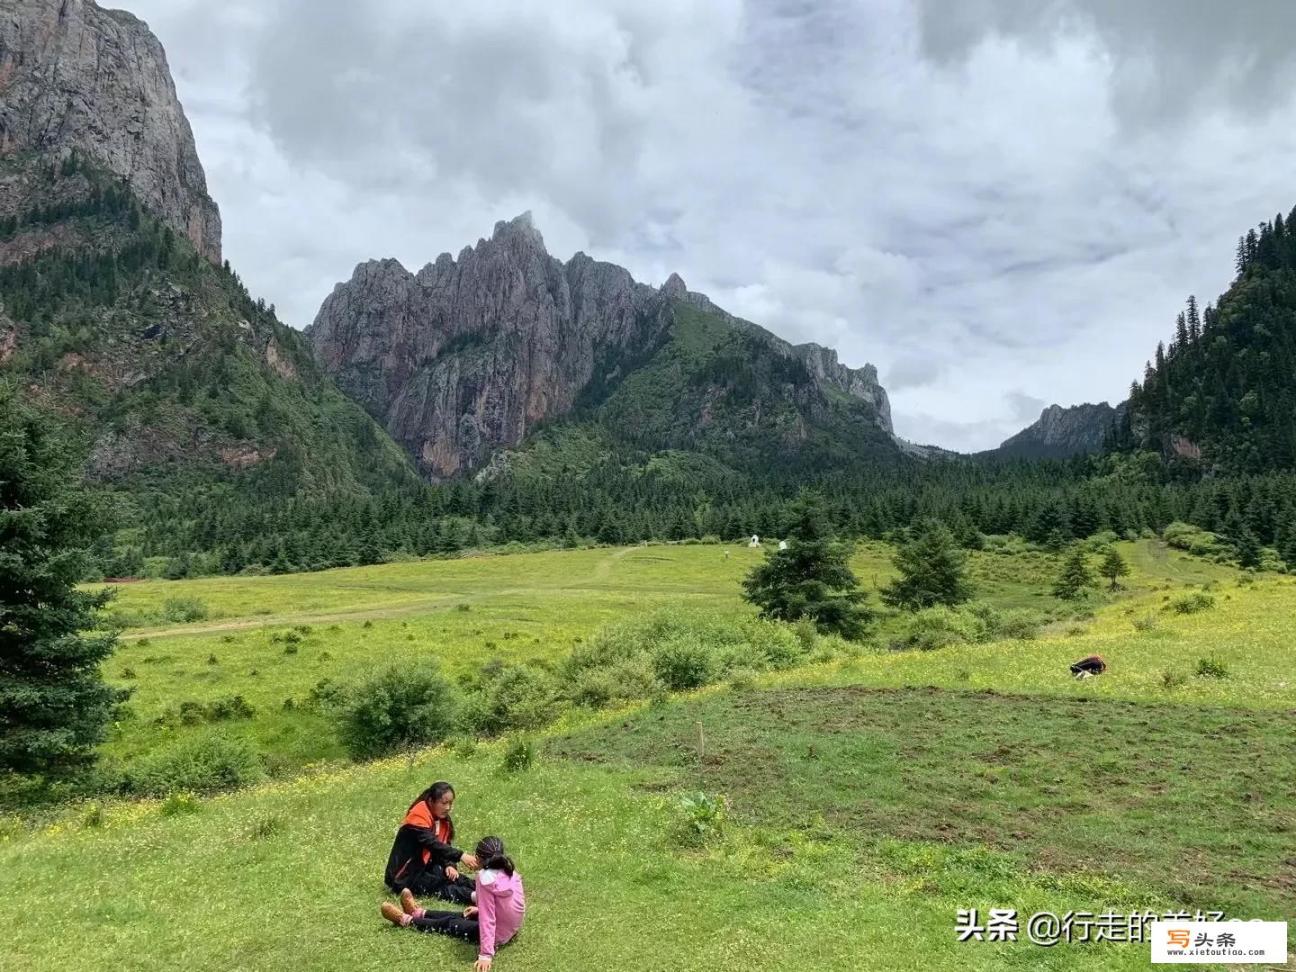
pixel 409 905
pixel 394 914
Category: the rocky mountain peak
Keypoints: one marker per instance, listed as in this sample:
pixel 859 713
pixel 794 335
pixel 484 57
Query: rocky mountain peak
pixel 1060 432
pixel 76 77
pixel 471 354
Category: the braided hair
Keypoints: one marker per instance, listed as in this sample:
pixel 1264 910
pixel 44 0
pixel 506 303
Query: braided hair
pixel 490 852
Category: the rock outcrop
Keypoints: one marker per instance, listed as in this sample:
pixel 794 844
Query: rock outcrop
pixel 1063 432
pixel 471 353
pixel 75 77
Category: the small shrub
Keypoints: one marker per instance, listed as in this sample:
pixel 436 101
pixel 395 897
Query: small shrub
pixel 511 697
pixel 1193 602
pixel 199 764
pixel 519 756
pixel 702 818
pixel 742 679
pixel 683 664
pixel 228 639
pixel 1211 668
pixel 463 608
pixel 1145 623
pixel 465 747
pixel 1172 679
pixel 367 624
pixel 806 633
pixel 212 660
pixel 403 707
pixel 229 707
pixel 178 803
pixel 94 817
pixel 182 610
pixel 129 674
pixel 327 694
pixel 290 649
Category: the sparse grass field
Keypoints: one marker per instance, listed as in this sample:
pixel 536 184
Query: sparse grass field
pixel 871 796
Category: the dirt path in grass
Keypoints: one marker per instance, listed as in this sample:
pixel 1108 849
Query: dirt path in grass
pixel 426 605
pixel 244 622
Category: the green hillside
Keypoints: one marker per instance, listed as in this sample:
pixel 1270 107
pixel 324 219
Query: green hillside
pixel 187 397
pixel 1219 396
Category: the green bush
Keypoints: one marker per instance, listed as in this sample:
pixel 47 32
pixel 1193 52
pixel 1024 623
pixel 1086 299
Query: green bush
pixel 1192 603
pixel 206 763
pixel 1211 668
pixel 1193 539
pixel 518 757
pixel 1145 623
pixel 511 697
pixel 1172 679
pixel 182 610
pixel 191 713
pixel 674 650
pixel 684 663
pixel 403 707
pixel 178 803
pixel 937 627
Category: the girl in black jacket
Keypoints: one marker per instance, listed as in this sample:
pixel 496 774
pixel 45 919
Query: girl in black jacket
pixel 422 857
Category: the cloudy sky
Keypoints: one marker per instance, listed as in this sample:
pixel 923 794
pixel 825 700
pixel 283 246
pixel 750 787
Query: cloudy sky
pixel 1000 203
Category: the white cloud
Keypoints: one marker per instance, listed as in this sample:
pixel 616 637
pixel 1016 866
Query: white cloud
pixel 1011 201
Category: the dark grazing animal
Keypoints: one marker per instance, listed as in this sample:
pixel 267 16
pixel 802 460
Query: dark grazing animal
pixel 1093 665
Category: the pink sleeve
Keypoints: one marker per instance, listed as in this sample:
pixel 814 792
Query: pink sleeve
pixel 486 921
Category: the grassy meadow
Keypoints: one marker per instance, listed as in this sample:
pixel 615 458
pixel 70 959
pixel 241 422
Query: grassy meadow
pixel 870 793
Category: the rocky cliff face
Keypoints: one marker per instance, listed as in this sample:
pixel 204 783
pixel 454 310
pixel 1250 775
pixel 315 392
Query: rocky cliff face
pixel 1062 432
pixel 76 77
pixel 468 355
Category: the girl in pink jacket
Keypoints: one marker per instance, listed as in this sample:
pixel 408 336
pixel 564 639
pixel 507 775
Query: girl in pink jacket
pixel 494 918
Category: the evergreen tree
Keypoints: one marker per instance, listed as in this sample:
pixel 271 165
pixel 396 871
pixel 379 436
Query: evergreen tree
pixel 1248 549
pixel 54 704
pixel 1113 566
pixel 1075 575
pixel 811 578
pixel 933 570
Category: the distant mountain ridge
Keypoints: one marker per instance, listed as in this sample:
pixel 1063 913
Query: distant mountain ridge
pixel 1060 433
pixel 472 354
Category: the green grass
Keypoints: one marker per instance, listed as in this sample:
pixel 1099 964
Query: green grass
pixel 1187 800
pixel 289 877
pixel 872 796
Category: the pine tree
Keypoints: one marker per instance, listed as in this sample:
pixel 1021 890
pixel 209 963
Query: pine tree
pixel 1075 576
pixel 54 704
pixel 1113 566
pixel 811 578
pixel 933 570
pixel 1248 549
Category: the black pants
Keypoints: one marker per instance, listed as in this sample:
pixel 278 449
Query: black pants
pixel 433 883
pixel 450 923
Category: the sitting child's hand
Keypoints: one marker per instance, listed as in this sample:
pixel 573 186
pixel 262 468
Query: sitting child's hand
pixel 470 861
pixel 452 873
pixel 470 911
pixel 482 965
